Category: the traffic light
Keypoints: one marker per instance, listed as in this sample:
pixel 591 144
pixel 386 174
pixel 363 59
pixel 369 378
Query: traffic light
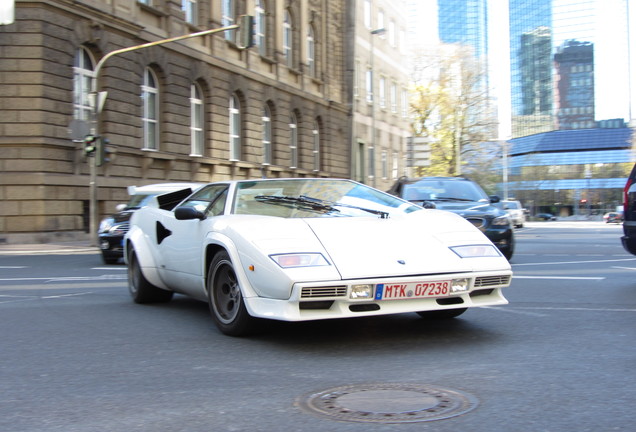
pixel 90 144
pixel 102 151
pixel 245 37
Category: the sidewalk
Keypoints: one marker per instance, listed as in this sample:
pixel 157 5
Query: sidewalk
pixel 66 248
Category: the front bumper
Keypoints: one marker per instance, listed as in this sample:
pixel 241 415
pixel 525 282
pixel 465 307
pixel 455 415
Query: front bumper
pixel 333 300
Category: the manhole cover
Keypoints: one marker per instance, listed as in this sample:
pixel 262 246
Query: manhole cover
pixel 387 403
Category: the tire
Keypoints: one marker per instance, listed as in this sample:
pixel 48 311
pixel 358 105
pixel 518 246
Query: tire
pixel 442 314
pixel 226 299
pixel 109 260
pixel 140 289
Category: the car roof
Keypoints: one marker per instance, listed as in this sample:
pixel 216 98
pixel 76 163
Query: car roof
pixel 161 187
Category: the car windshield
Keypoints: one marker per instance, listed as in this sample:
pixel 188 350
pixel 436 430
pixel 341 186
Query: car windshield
pixel 443 190
pixel 300 198
pixel 138 201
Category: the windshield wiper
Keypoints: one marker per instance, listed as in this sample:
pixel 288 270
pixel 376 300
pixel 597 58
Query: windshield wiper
pixel 449 199
pixel 382 214
pixel 298 202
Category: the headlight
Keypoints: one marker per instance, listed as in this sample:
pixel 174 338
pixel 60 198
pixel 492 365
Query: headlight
pixel 106 224
pixel 501 221
pixel 364 291
pixel 476 251
pixel 459 285
pixel 300 260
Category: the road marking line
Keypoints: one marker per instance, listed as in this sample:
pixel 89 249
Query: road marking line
pixel 571 262
pixel 624 268
pixel 560 277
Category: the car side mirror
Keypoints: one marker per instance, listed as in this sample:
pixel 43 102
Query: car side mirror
pixel 188 213
pixel 494 199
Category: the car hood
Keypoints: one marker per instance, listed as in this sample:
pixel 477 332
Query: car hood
pixel 413 244
pixel 467 209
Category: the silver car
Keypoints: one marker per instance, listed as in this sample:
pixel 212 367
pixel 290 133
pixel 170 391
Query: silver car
pixel 515 210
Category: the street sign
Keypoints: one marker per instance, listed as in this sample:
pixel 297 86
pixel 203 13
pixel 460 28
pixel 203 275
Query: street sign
pixel 78 129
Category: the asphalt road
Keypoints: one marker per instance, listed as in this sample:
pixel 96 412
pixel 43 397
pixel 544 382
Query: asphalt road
pixel 77 355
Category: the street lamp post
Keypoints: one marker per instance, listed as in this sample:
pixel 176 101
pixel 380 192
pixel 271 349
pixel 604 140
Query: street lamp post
pixel 373 134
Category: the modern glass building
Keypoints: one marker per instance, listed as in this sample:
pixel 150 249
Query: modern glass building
pixel 562 76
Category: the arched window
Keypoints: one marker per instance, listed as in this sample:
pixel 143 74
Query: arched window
pixel 82 78
pixel 311 51
pixel 316 145
pixel 260 28
pixel 150 98
pixel 267 135
pixel 228 18
pixel 196 120
pixel 293 140
pixel 288 40
pixel 235 128
pixel 191 11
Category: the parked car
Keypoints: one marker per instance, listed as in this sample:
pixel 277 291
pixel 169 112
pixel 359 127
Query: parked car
pixel 613 217
pixel 113 228
pixel 629 213
pixel 466 198
pixel 309 249
pixel 515 210
pixel 546 216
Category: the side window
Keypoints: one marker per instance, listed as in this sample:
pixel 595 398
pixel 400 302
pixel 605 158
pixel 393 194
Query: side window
pixel 209 200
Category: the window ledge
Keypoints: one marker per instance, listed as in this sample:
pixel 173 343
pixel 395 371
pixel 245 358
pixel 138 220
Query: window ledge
pixel 151 9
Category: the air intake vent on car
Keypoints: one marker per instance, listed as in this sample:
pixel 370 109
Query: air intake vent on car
pixel 488 281
pixel 478 222
pixel 329 291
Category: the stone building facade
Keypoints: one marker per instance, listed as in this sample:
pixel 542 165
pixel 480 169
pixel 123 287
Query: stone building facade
pixel 200 109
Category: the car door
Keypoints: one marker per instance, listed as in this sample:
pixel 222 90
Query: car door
pixel 181 242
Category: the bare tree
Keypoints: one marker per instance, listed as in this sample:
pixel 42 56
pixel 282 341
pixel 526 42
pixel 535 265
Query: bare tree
pixel 451 106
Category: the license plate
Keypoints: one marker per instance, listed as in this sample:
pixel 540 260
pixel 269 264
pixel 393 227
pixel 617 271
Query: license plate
pixel 408 290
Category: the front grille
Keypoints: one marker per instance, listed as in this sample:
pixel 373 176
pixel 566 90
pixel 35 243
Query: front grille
pixel 317 292
pixel 478 222
pixel 488 281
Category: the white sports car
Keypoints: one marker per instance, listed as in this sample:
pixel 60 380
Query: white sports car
pixel 307 249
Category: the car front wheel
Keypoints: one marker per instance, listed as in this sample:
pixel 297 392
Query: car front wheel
pixel 226 299
pixel 140 289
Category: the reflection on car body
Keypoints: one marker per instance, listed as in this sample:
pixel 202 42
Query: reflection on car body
pixel 309 249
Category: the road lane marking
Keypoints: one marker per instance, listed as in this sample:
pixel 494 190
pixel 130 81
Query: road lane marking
pixel 560 277
pixel 67 278
pixel 571 262
pixel 624 268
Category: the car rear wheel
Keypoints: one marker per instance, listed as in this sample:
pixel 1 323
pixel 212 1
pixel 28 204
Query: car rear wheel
pixel 442 314
pixel 226 299
pixel 140 289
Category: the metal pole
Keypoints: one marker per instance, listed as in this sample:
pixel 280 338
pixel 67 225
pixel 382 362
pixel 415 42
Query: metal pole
pixel 96 110
pixel 372 151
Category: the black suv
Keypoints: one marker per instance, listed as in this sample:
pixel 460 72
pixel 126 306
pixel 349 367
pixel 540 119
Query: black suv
pixel 629 214
pixel 464 197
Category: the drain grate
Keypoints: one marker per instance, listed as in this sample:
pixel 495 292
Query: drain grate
pixel 387 403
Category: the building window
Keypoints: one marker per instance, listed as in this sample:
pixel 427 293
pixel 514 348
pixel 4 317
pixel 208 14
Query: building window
pixel 293 140
pixel 405 103
pixel 393 98
pixel 367 13
pixel 150 98
pixel 196 120
pixel 311 52
pixel 385 165
pixel 267 136
pixel 382 92
pixel 191 12
pixel 316 145
pixel 260 28
pixel 392 35
pixel 82 78
pixel 369 85
pixel 380 23
pixel 229 15
pixel 288 41
pixel 394 171
pixel 235 128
